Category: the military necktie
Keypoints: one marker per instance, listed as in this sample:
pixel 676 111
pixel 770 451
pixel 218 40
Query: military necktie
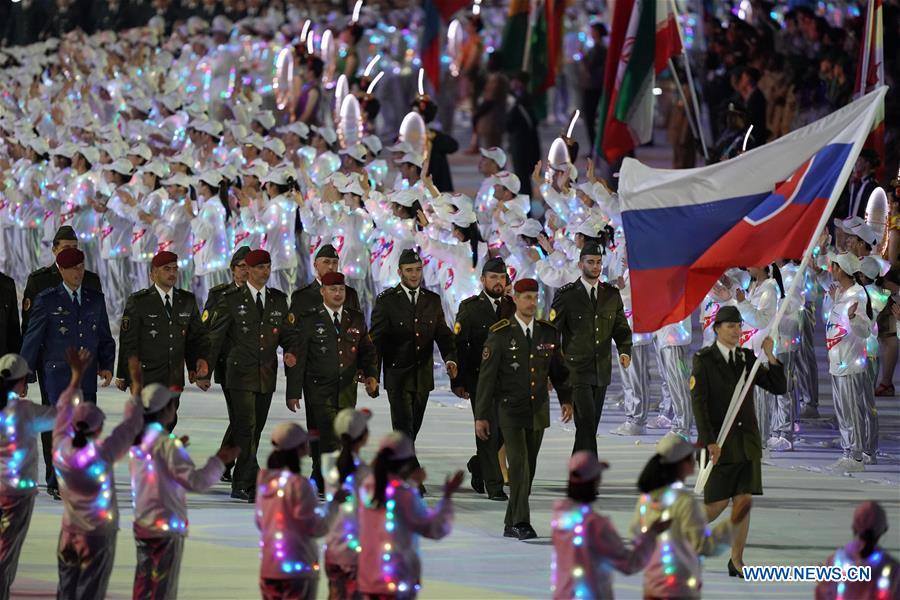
pixel 337 323
pixel 412 297
pixel 259 303
pixel 528 336
pixel 75 301
pixel 594 296
pixel 168 307
pixel 497 309
pixel 731 359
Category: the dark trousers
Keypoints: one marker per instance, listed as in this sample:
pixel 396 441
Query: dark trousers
pixel 171 427
pixel 522 447
pixel 590 101
pixel 407 411
pixel 486 451
pixel 588 405
pixel 158 567
pixel 320 419
pixel 85 563
pixel 47 436
pixel 226 439
pixel 250 412
pixel 289 589
pixel 15 516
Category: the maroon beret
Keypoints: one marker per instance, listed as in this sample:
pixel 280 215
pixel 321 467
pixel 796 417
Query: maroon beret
pixel 258 257
pixel 69 257
pixel 336 278
pixel 525 285
pixel 164 258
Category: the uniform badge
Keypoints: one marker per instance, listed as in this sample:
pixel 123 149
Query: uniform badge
pixel 153 333
pixel 512 344
pixel 126 324
pixel 205 316
pixel 26 304
pixel 552 314
pixel 486 353
pixel 320 330
pixel 63 330
pixel 692 382
pixel 456 328
pixel 515 366
pixel 242 310
pixel 245 329
pixel 291 318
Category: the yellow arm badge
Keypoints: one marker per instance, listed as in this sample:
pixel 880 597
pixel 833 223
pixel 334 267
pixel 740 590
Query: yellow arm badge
pixel 126 323
pixel 692 382
pixel 552 314
pixel 205 316
pixel 291 318
pixel 486 353
pixel 26 304
pixel 457 328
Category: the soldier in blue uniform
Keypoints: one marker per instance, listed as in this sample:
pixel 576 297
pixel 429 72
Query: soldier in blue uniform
pixel 68 315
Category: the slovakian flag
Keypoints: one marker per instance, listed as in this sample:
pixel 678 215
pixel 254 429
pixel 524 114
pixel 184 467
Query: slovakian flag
pixel 684 228
pixel 870 73
pixel 643 37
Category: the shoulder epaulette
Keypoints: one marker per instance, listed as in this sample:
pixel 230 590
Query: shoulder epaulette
pixel 236 290
pixel 143 292
pixel 705 350
pixel 276 292
pixel 47 292
pixel 500 325
pixel 470 300
pixel 385 292
pixel 220 287
pixel 545 322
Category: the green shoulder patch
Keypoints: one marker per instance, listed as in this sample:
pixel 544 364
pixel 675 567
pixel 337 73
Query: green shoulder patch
pixel 500 325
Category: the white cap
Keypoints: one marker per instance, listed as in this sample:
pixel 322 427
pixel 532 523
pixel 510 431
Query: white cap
pixel 404 147
pixel 264 118
pixel 213 128
pixel 399 444
pixel 185 157
pixel 211 177
pixel 352 422
pixel 403 197
pixel 874 267
pixel 412 158
pixel 848 263
pixel 463 217
pixel 530 228
pixel 156 167
pixel 155 397
pixel 13 366
pixel 298 128
pixel 276 146
pixel 221 24
pixel 142 150
pixel 179 179
pixel 289 435
pixel 495 154
pixel 255 140
pixel 673 448
pixel 864 232
pixel 356 152
pixel 257 169
pixel 372 143
pixel 68 150
pixel 237 130
pixel 90 154
pixel 115 149
pixel 279 176
pixel 38 145
pixel 348 185
pixel 584 467
pixel 122 166
pixel 328 134
pixel 509 180
pixel 846 224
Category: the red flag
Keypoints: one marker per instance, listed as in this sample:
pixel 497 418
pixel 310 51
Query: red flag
pixel 870 74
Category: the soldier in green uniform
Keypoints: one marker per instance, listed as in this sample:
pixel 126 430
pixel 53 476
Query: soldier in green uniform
pixel 42 279
pixel 161 326
pixel 11 338
pixel 308 296
pixel 589 314
pixel 406 323
pixel 248 325
pixel 331 345
pixel 239 271
pixel 519 357
pixel 737 473
pixel 474 318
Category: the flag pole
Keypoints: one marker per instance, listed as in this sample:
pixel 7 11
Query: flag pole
pixel 687 108
pixel 736 402
pixel 863 71
pixel 690 78
pixel 532 15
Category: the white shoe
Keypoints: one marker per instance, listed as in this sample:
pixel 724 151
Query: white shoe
pixel 661 422
pixel 847 465
pixel 869 459
pixel 778 444
pixel 629 428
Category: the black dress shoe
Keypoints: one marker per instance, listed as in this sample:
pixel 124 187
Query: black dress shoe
pixel 53 491
pixel 499 496
pixel 226 476
pixel 248 495
pixel 526 531
pixel 475 471
pixel 422 491
pixel 511 531
pixel 733 571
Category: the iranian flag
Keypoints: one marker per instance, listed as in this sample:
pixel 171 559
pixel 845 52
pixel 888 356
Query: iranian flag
pixel 644 37
pixel 870 74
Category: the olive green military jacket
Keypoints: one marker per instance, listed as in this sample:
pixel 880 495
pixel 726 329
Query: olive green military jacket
pixel 163 346
pixel 587 331
pixel 249 340
pixel 514 375
pixel 712 384
pixel 474 319
pixel 212 298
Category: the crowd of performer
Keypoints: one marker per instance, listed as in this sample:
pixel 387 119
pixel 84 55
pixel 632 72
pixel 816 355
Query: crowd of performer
pixel 220 237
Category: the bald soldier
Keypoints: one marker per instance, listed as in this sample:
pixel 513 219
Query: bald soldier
pixel 520 357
